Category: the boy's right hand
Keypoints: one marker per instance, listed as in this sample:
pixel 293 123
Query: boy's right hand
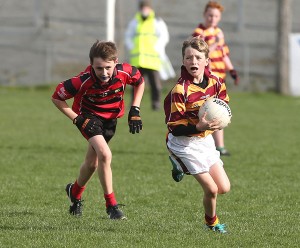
pixel 204 124
pixel 84 123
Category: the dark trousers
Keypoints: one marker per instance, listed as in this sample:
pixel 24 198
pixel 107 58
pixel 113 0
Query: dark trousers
pixel 155 84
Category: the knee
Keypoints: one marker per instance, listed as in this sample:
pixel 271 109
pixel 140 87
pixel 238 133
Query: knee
pixel 224 189
pixel 212 192
pixel 105 157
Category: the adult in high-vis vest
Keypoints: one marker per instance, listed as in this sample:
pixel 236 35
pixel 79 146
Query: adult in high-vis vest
pixel 146 38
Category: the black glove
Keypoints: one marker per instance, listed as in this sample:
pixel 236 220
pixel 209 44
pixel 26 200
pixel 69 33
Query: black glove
pixel 235 76
pixel 85 124
pixel 134 120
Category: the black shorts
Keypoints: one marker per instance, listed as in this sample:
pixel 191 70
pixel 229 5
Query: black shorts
pixel 105 127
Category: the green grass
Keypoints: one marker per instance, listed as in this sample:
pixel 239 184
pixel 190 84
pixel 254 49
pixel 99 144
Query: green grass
pixel 41 152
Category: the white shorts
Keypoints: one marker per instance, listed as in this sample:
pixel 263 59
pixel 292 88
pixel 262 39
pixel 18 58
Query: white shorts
pixel 193 155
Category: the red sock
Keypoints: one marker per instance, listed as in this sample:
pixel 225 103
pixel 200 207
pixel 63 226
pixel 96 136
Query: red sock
pixel 110 199
pixel 77 190
pixel 211 220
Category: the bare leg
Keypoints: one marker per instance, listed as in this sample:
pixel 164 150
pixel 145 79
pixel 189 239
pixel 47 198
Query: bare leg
pixel 213 183
pixel 220 177
pixel 104 162
pixel 210 193
pixel 219 138
pixel 219 142
pixel 88 167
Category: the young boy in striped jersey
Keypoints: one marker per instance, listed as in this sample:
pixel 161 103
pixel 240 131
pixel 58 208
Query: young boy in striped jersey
pixel 189 140
pixel 98 102
pixel 218 54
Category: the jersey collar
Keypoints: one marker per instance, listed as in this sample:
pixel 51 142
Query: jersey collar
pixel 188 77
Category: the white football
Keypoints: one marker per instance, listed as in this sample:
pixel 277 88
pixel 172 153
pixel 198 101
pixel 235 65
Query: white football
pixel 216 109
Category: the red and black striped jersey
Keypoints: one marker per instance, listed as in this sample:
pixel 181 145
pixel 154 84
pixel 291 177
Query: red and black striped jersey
pixel 217 65
pixel 93 97
pixel 182 104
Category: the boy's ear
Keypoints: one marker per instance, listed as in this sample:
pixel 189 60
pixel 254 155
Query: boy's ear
pixel 117 60
pixel 207 62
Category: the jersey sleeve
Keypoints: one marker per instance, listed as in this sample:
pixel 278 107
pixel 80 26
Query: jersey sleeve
pixel 222 44
pixel 198 32
pixel 226 51
pixel 135 77
pixel 67 89
pixel 175 108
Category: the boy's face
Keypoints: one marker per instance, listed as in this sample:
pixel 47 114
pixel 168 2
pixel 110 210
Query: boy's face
pixel 212 17
pixel 195 62
pixel 104 69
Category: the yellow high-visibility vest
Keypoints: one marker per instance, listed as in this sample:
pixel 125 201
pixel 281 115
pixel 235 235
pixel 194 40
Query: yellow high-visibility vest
pixel 143 53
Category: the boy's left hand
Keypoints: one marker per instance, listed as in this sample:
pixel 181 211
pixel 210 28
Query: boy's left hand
pixel 134 120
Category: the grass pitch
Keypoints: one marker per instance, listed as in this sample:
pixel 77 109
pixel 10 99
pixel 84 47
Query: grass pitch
pixel 41 152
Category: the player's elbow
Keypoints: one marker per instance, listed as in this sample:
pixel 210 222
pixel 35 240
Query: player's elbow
pixel 55 100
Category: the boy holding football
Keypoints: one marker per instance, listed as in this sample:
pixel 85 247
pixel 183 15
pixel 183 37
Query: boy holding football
pixel 98 102
pixel 189 140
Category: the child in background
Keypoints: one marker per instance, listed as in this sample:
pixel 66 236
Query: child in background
pixel 218 54
pixel 189 140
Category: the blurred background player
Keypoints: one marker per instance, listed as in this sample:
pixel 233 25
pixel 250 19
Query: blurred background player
pixel 146 37
pixel 189 141
pixel 98 102
pixel 218 54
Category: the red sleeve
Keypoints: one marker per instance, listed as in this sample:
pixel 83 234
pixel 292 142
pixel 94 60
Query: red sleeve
pixel 135 76
pixel 67 89
pixel 60 93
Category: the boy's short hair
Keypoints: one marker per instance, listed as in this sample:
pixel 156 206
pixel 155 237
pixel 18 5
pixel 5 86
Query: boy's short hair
pixel 144 3
pixel 196 43
pixel 105 50
pixel 214 5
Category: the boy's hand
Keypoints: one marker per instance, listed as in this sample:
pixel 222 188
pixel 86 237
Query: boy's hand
pixel 85 124
pixel 204 124
pixel 134 120
pixel 235 76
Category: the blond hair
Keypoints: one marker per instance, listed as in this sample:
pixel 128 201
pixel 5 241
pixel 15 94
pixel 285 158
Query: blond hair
pixel 196 43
